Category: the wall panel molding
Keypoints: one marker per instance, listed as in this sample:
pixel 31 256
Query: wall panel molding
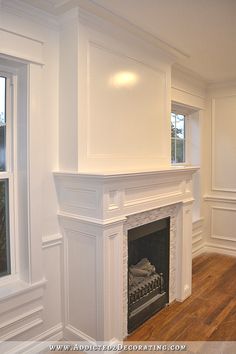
pixel 219 199
pixel 88 250
pixel 213 223
pixel 214 186
pixel 197 237
pixel 51 240
pixel 19 324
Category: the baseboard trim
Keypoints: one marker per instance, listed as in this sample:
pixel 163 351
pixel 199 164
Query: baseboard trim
pixel 220 249
pixel 38 343
pixel 72 333
pixel 198 250
pixel 56 330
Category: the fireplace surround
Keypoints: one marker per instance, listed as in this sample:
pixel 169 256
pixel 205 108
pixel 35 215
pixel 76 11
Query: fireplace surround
pixel 96 213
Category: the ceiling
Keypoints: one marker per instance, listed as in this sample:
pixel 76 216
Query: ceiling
pixel 204 29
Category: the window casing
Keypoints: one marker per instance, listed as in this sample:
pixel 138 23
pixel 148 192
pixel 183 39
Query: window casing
pixel 192 147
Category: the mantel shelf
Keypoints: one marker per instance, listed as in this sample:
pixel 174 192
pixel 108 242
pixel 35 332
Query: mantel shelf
pixel 175 170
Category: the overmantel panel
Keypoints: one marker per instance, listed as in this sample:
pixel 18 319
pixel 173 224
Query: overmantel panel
pixel 124 103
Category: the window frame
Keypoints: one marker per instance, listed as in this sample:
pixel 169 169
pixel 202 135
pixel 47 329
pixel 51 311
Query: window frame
pixel 10 172
pixel 186 137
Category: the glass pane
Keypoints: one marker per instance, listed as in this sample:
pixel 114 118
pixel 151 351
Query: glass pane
pixel 2 123
pixel 180 153
pixel 172 125
pixel 173 150
pixel 4 229
pixel 180 126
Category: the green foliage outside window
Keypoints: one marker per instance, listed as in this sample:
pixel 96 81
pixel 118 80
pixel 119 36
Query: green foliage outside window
pixel 177 138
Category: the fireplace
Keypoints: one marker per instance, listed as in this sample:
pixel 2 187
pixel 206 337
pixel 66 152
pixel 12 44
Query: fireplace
pixel 99 216
pixel 148 270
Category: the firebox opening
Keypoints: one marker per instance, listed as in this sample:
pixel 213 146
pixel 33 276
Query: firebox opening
pixel 148 271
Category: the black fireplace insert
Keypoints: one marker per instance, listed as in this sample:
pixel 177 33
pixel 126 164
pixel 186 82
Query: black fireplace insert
pixel 148 270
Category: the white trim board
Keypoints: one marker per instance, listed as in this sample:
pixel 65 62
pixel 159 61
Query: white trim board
pixel 214 248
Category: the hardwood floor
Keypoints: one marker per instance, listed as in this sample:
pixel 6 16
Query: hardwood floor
pixel 208 315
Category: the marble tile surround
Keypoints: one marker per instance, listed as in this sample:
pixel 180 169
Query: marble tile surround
pixel 143 218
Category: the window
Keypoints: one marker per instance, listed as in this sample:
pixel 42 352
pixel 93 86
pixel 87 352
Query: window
pixel 5 176
pixel 186 145
pixel 178 138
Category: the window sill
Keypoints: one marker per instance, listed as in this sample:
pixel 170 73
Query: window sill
pixel 15 287
pixel 181 165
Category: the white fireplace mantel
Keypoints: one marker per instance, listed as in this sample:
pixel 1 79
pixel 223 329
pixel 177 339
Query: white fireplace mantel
pixel 93 209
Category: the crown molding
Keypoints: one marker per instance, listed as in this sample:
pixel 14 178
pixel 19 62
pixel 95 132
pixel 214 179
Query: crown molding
pixel 222 84
pixel 198 79
pixel 21 9
pixel 96 14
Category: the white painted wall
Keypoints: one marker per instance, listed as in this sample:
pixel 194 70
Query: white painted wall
pixel 189 94
pixel 71 111
pixel 220 184
pixel 107 125
pixel 30 304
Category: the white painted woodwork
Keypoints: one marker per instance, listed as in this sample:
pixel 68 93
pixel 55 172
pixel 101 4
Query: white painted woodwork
pixel 106 122
pixel 29 309
pixel 220 169
pixel 223 221
pixel 188 94
pixel 68 94
pixel 93 224
pixel 14 44
pixel 124 95
pixel 194 38
pixel 223 143
pixel 74 118
pixel 187 89
pixel 198 237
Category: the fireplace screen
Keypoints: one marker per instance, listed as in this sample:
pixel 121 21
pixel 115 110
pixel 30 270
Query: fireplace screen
pixel 148 271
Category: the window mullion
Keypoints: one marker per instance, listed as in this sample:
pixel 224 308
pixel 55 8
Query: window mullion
pixel 5 175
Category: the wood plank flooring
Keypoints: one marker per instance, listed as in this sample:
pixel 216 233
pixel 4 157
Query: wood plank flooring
pixel 209 314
